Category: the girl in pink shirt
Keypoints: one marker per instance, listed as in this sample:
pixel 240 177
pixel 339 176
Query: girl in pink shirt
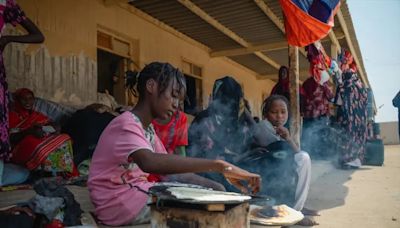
pixel 128 150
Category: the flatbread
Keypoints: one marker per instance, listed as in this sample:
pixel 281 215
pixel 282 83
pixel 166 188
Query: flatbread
pixel 286 216
pixel 206 195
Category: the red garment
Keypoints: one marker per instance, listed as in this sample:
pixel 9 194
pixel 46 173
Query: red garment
pixel 31 151
pixel 283 88
pixel 174 133
pixel 317 99
pixel 347 62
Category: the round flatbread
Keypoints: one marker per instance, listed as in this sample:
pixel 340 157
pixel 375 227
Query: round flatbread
pixel 285 216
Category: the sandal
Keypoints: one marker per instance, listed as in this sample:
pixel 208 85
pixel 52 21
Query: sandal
pixel 310 212
pixel 307 222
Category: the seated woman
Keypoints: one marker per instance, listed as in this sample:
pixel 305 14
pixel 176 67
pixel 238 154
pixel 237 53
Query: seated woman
pixel 36 144
pixel 218 132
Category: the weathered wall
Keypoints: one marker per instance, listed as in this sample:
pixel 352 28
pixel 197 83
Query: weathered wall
pixel 65 79
pixel 64 67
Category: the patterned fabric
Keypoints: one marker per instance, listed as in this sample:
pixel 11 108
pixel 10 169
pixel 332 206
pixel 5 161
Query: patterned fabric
pixel 317 100
pixel 149 132
pixel 32 151
pixel 11 13
pixel 352 117
pixel 60 160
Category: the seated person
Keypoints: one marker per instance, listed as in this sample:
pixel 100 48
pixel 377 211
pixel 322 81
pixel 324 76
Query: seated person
pixel 275 114
pixel 85 127
pixel 129 150
pixel 173 133
pixel 36 143
pixel 218 132
pixel 227 131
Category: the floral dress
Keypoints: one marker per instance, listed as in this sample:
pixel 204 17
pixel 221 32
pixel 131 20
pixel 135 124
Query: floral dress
pixel 10 13
pixel 352 117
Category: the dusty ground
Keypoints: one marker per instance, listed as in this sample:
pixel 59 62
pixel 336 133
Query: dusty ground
pixel 369 197
pixel 365 198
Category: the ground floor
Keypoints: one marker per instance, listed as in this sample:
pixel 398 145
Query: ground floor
pixel 368 197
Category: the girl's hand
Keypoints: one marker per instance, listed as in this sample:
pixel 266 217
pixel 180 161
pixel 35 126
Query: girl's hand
pixel 283 132
pixel 241 179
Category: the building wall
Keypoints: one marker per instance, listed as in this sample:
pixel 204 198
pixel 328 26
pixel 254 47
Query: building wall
pixel 389 133
pixel 64 68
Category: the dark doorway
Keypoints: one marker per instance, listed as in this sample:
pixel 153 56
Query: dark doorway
pixel 193 102
pixel 110 75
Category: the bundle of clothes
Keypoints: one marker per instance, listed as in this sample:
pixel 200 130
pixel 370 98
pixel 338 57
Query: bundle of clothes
pixel 53 206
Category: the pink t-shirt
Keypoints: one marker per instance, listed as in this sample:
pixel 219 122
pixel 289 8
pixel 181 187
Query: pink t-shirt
pixel 113 181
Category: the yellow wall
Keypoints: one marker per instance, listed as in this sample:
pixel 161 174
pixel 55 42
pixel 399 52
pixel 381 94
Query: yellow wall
pixel 70 27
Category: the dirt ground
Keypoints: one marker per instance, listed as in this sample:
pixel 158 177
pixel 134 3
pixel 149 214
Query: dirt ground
pixel 369 197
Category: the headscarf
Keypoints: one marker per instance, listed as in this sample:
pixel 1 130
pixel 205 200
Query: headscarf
pixel 282 87
pixel 227 98
pixel 21 117
pixel 18 94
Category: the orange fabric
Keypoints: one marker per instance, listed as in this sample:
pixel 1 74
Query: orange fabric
pixel 301 28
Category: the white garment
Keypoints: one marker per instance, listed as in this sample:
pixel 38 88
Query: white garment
pixel 303 169
pixel 356 163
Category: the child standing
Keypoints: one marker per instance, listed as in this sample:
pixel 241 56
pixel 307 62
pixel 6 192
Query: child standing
pixel 128 150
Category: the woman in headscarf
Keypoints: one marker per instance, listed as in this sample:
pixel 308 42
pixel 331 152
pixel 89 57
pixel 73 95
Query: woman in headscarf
pixel 351 99
pixel 316 111
pixel 216 127
pixel 217 132
pixel 226 130
pixel 283 87
pixel 36 144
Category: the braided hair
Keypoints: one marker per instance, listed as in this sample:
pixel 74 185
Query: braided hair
pixel 162 73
